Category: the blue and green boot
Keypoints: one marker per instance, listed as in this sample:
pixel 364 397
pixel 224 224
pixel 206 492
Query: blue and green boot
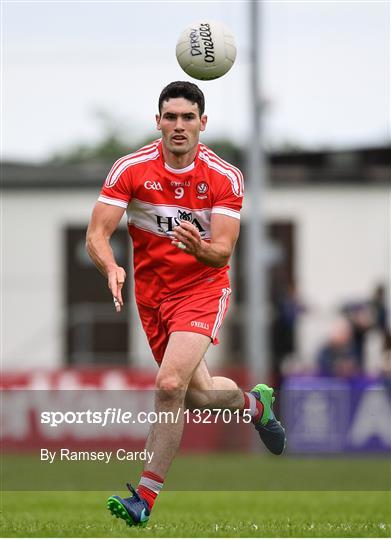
pixel 270 430
pixel 134 510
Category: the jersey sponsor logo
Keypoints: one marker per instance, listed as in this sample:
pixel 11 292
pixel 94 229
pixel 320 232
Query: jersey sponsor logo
pixel 199 324
pixel 152 184
pixel 160 219
pixel 166 224
pixel 185 216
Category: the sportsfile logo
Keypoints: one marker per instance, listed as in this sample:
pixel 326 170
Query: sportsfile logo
pixel 166 224
pixel 152 184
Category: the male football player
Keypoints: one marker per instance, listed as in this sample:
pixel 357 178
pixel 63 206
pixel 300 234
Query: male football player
pixel 183 206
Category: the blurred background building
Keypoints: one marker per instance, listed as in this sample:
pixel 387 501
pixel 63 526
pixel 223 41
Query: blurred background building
pixel 327 221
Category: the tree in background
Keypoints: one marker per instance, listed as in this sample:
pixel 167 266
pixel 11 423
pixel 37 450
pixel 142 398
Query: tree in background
pixel 117 140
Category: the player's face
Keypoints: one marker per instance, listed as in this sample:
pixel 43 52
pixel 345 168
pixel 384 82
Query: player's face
pixel 180 124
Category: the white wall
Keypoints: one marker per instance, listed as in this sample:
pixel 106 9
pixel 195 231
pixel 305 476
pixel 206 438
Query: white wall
pixel 341 253
pixel 33 275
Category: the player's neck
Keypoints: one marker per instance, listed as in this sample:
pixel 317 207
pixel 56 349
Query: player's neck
pixel 179 161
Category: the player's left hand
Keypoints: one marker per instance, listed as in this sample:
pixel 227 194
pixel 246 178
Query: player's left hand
pixel 187 238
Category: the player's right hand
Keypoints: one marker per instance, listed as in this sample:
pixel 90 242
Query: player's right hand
pixel 116 276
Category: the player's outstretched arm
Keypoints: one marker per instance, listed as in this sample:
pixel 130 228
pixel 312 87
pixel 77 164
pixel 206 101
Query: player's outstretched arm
pixel 104 221
pixel 216 253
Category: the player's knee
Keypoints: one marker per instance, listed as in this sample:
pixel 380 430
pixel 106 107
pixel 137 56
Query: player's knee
pixel 170 384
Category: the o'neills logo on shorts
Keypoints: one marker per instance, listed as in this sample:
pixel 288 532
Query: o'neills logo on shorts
pixel 201 40
pixel 199 324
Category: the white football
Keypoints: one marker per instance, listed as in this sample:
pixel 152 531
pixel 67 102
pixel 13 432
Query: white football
pixel 206 50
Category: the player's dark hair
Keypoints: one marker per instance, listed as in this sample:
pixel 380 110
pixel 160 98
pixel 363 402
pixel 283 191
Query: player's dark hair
pixel 183 89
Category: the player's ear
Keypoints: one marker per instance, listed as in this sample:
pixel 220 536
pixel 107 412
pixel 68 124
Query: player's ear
pixel 204 120
pixel 157 117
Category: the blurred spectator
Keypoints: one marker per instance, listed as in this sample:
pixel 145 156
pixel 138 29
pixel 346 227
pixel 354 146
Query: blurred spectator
pixel 367 317
pixel 287 309
pixel 386 372
pixel 379 310
pixel 338 356
pixel 360 317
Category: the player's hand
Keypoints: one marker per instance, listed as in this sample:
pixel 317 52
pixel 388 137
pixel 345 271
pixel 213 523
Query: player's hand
pixel 116 276
pixel 187 238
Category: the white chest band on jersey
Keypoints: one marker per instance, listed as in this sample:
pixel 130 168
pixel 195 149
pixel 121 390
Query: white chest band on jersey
pixel 161 219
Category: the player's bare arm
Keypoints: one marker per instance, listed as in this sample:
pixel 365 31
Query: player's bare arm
pixel 104 221
pixel 172 287
pixel 216 253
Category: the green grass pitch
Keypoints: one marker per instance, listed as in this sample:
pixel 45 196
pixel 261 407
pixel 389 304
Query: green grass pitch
pixel 201 514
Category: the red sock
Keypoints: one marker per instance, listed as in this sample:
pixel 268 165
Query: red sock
pixel 253 405
pixel 149 487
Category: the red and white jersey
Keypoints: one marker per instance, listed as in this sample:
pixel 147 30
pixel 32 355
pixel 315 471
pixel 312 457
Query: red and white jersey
pixel 157 197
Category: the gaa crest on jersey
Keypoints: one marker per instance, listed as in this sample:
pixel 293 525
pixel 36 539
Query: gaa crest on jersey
pixel 153 184
pixel 202 189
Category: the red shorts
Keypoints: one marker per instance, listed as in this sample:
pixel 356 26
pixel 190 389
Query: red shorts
pixel 202 312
